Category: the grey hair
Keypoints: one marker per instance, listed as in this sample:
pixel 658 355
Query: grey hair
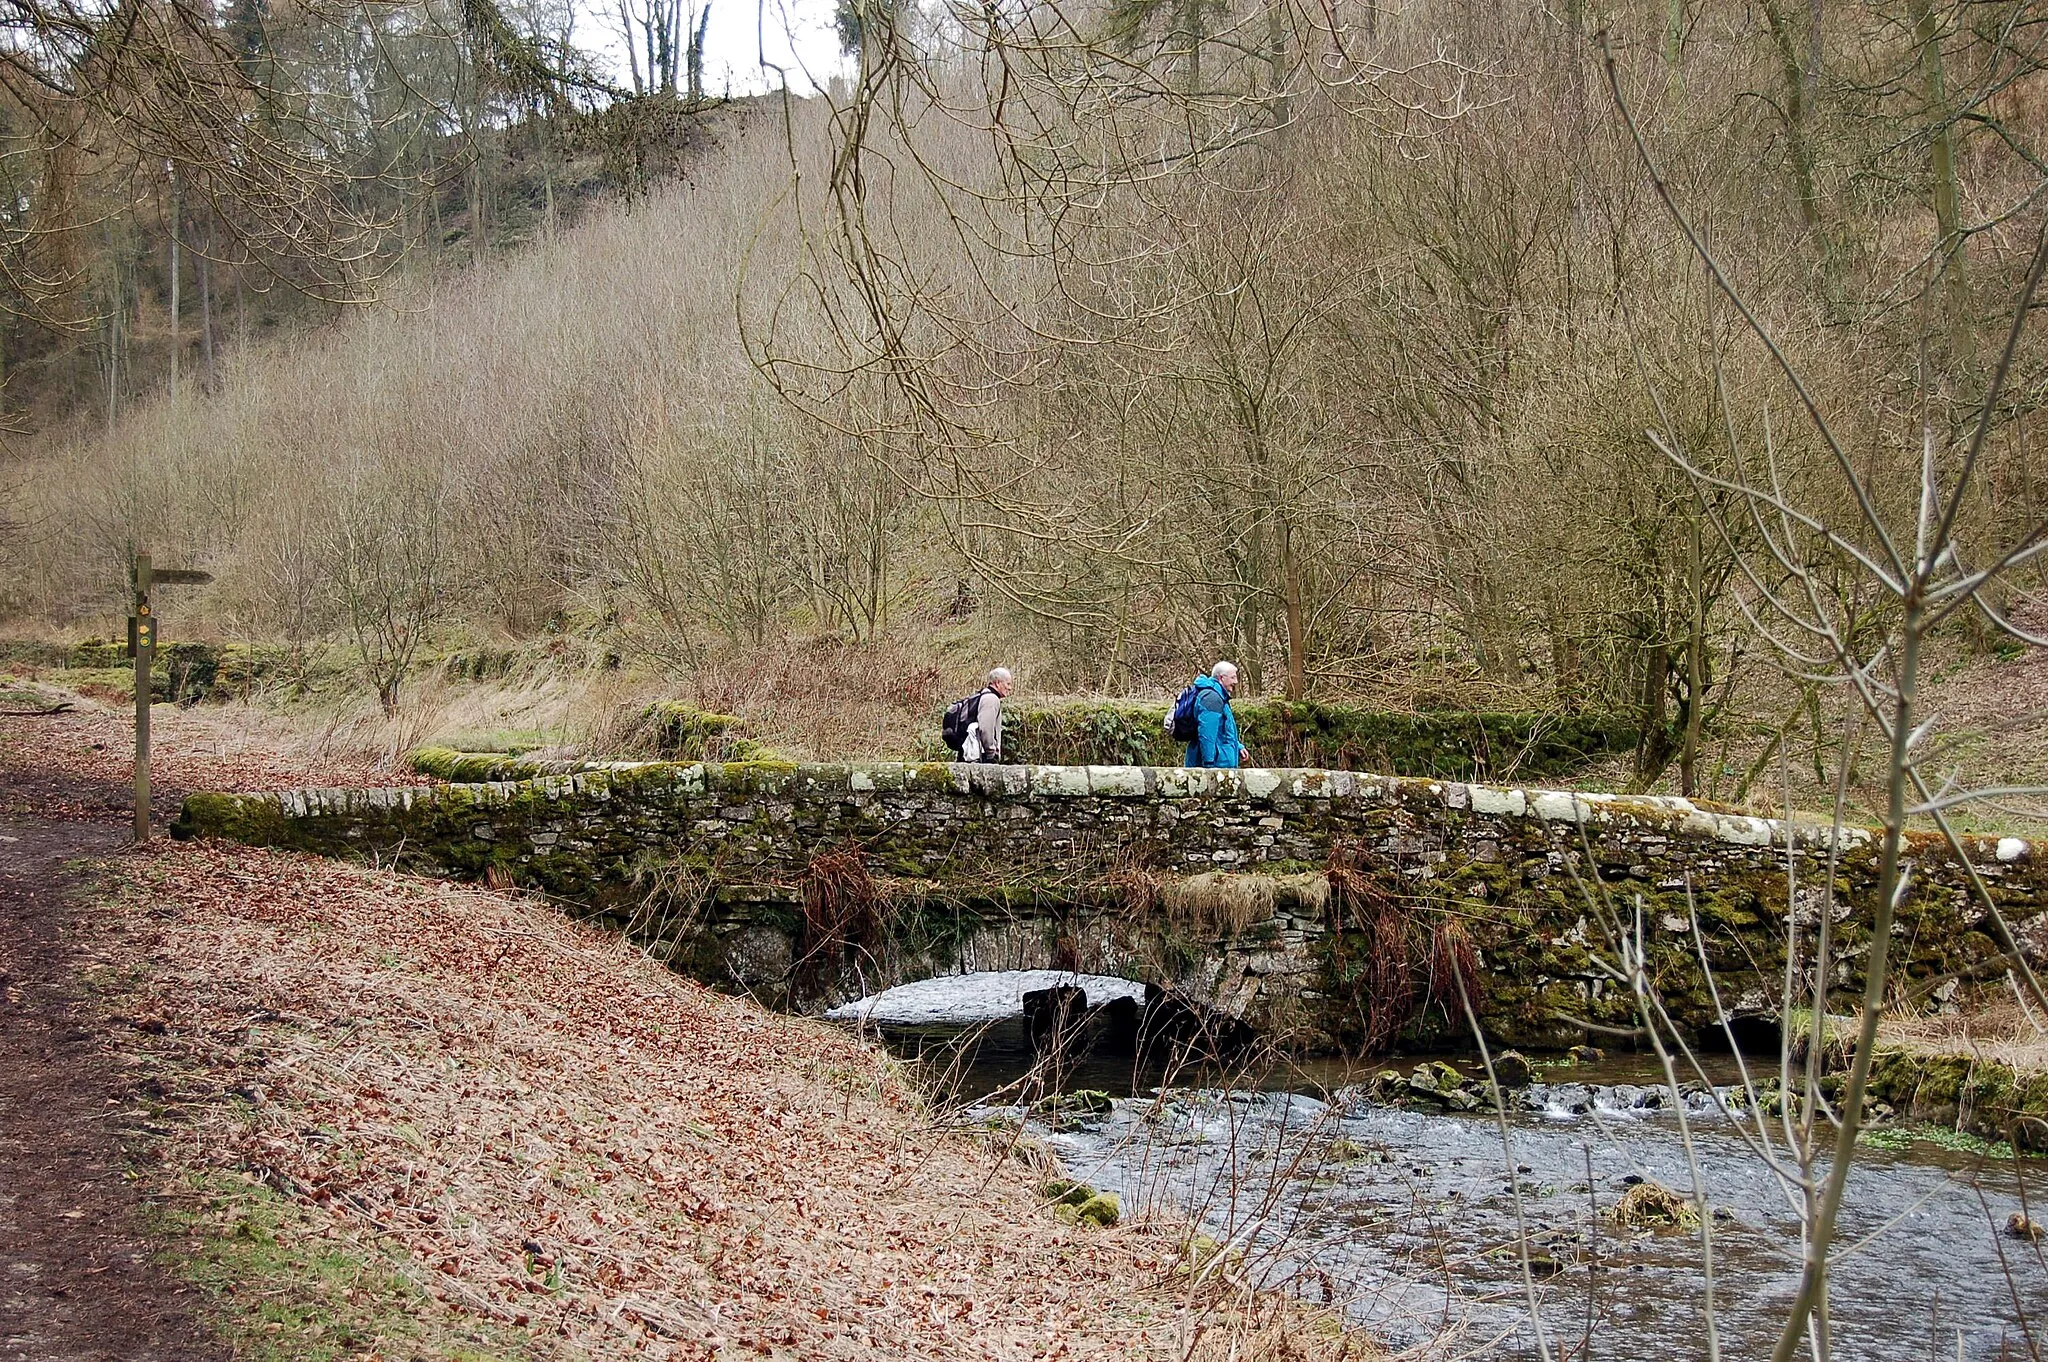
pixel 1223 669
pixel 996 674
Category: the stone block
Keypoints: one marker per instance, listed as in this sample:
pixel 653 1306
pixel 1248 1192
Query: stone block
pixel 1059 782
pixel 1116 782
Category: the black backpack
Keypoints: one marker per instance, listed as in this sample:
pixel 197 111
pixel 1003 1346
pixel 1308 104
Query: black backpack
pixel 1183 723
pixel 960 716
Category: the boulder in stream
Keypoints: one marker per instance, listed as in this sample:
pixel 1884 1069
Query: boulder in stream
pixel 1511 1069
pixel 1082 1104
pixel 1053 1015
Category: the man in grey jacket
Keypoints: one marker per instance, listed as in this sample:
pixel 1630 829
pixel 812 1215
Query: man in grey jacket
pixel 985 738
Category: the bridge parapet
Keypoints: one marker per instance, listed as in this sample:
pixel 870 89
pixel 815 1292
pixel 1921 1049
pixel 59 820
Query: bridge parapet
pixel 1216 883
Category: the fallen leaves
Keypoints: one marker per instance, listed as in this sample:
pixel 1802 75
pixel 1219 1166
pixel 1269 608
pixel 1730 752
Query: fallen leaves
pixel 660 1153
pixel 549 1133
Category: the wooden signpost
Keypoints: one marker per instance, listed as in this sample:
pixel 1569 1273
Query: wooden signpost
pixel 142 647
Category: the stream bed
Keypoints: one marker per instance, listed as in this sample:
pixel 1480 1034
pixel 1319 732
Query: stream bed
pixel 1411 1219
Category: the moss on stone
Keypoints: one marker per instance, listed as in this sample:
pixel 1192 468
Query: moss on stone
pixel 1982 1098
pixel 458 767
pixel 1201 1251
pixel 1445 744
pixel 1065 1192
pixel 182 673
pixel 676 731
pixel 1103 1210
pixel 1044 868
pixel 935 777
pixel 254 820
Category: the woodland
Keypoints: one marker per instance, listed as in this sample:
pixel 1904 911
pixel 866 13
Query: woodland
pixel 1428 354
pixel 1667 366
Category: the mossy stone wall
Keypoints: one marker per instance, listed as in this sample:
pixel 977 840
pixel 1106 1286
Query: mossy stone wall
pixel 1208 881
pixel 1448 744
pixel 1980 1097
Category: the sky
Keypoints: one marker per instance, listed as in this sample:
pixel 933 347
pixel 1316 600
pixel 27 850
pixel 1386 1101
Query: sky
pixel 794 34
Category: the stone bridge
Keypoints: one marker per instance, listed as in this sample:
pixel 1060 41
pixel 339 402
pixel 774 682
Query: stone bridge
pixel 1330 909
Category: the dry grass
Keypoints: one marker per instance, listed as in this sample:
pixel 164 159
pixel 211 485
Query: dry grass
pixel 827 699
pixel 603 457
pixel 236 747
pixel 1999 1032
pixel 1651 1205
pixel 1219 904
pixel 1987 715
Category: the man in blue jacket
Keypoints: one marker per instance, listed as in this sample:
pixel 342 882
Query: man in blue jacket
pixel 1216 742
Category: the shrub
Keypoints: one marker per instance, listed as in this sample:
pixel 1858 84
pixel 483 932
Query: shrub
pixel 1446 744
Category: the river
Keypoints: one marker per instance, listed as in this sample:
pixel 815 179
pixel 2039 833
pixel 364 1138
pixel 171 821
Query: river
pixel 1410 1220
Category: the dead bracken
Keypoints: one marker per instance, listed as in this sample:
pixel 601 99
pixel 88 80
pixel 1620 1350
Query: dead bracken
pixel 1651 1205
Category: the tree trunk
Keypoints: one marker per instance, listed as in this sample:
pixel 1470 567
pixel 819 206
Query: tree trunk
pixel 1653 747
pixel 177 317
pixel 1944 194
pixel 1695 669
pixel 547 170
pixel 113 369
pixel 1799 81
pixel 697 55
pixel 476 203
pixel 1188 31
pixel 1279 105
pixel 207 356
pixel 1674 43
pixel 1297 626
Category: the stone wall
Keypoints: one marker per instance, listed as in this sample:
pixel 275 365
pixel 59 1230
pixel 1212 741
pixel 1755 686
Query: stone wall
pixel 1443 744
pixel 1328 907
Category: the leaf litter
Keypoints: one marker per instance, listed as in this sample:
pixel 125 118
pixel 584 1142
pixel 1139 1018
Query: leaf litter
pixel 557 1140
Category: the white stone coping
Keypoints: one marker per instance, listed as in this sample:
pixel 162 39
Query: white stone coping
pixel 1671 813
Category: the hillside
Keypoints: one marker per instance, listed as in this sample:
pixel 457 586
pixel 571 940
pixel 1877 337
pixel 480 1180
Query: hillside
pixel 368 1117
pixel 1628 397
pixel 1413 396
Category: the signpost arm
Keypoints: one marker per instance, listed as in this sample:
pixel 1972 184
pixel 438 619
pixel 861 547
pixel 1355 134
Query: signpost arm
pixel 145 659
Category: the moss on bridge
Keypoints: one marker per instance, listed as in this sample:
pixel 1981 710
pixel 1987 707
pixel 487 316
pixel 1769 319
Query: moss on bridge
pixel 1169 875
pixel 1448 744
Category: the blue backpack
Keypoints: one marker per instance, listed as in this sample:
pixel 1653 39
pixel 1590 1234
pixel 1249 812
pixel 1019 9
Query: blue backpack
pixel 1184 723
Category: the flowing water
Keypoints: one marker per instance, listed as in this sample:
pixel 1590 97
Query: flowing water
pixel 1412 1220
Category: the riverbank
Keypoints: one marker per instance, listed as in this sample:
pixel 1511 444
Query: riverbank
pixel 1980 1070
pixel 375 1117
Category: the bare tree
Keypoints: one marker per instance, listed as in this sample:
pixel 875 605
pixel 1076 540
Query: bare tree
pixel 385 563
pixel 1848 589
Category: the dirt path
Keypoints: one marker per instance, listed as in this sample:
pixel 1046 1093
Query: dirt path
pixel 77 1280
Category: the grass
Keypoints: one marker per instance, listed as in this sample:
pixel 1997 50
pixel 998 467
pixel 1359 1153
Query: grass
pixel 1904 1135
pixel 510 742
pixel 1996 1030
pixel 101 683
pixel 284 1291
pixel 829 699
pixel 658 1163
